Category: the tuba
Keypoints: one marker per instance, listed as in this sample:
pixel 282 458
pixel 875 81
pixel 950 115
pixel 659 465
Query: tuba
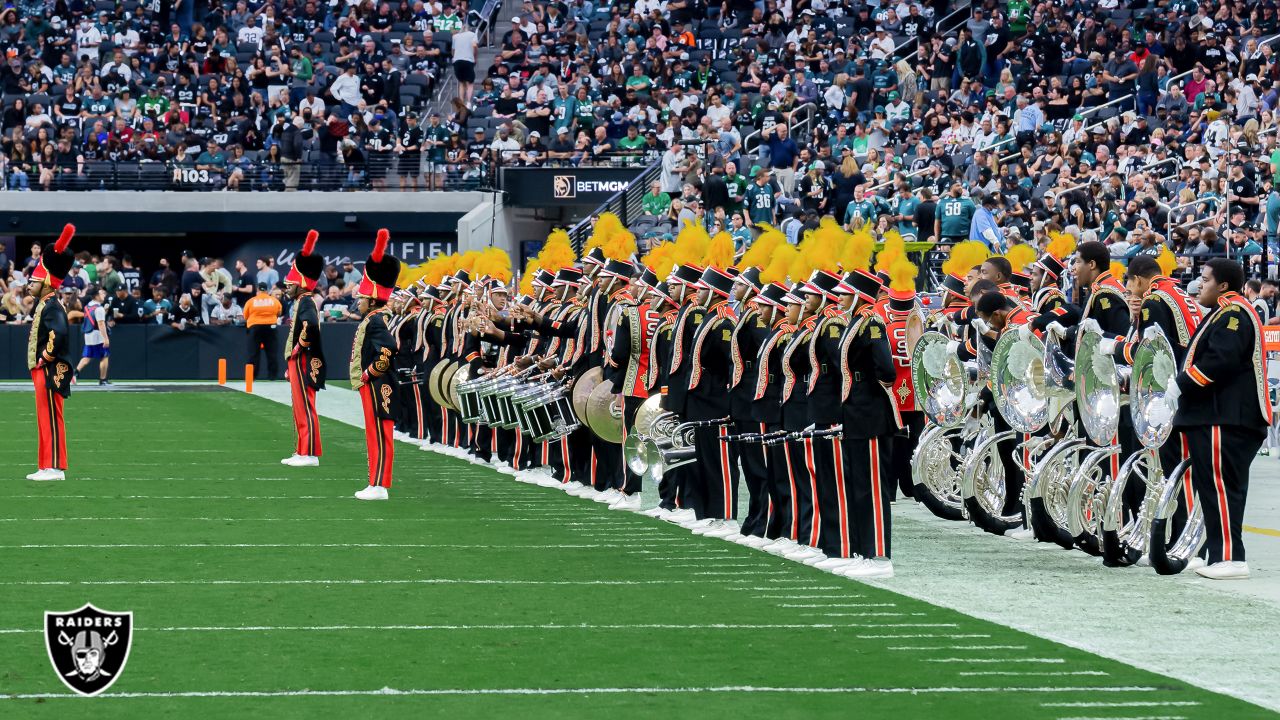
pixel 662 442
pixel 947 392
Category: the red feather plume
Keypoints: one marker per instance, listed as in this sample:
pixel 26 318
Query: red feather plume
pixel 68 232
pixel 380 247
pixel 310 245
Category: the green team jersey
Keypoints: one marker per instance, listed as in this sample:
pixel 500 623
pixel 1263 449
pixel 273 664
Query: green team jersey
pixel 1018 12
pixel 906 206
pixel 563 111
pixel 629 143
pixel 760 202
pixel 862 212
pixel 682 79
pixel 440 134
pixel 956 215
pixel 737 188
pixel 447 23
pixel 585 112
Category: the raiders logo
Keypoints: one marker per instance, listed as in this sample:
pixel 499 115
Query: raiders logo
pixel 88 647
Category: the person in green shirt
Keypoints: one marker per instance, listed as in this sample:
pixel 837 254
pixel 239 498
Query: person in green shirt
pixel 300 66
pixel 1018 12
pixel 639 81
pixel 760 198
pixel 584 111
pixel 435 139
pixel 564 107
pixel 632 140
pixel 903 211
pixel 739 231
pixel 953 216
pixel 862 211
pixel 448 21
pixel 736 186
pixel 656 202
pixel 153 103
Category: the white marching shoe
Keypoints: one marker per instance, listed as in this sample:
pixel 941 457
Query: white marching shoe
pixel 576 488
pixel 695 525
pixel 1195 563
pixel 47 474
pixel 802 553
pixel 727 531
pixel 868 568
pixel 836 564
pixel 301 461
pixel 1225 570
pixel 708 526
pixel 656 511
pixel 627 502
pixel 1020 534
pixel 608 497
pixel 752 541
pixel 546 481
pixel 780 547
pixel 372 492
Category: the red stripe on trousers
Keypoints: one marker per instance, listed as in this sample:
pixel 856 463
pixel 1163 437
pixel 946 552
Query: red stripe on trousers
pixel 813 493
pixel 306 419
pixel 724 472
pixel 1220 487
pixel 1188 489
pixel 840 497
pixel 791 479
pixel 876 501
pixel 51 452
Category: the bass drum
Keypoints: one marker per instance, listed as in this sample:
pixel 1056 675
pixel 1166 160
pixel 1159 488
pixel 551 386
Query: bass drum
pixel 581 391
pixel 459 376
pixel 436 380
pixel 604 413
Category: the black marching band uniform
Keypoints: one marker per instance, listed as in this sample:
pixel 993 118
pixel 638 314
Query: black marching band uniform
pixel 47 356
pixel 371 369
pixel 304 353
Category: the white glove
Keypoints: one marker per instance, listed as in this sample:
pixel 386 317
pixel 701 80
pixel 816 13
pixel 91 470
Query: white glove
pixel 1152 332
pixel 953 347
pixel 1172 392
pixel 1091 324
pixel 1107 346
pixel 981 326
pixel 1025 333
pixel 1056 329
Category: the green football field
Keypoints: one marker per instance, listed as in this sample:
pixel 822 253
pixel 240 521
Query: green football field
pixel 265 591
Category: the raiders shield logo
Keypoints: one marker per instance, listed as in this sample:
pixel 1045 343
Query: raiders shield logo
pixel 88 647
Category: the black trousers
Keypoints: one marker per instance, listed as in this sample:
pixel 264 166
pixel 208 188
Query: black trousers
pixel 835 538
pixel 1014 479
pixel 804 529
pixel 715 482
pixel 482 441
pixel 904 446
pixel 1172 452
pixel 605 468
pixel 632 483
pixel 578 460
pixel 263 338
pixel 505 443
pixel 1220 460
pixel 781 503
pixel 754 459
pixel 866 462
pixel 669 488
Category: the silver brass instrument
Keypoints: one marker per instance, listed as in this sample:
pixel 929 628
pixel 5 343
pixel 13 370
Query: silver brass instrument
pixel 660 442
pixel 947 389
pixel 1047 491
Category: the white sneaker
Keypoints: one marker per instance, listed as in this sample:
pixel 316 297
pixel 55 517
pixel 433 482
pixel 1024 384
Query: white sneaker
pixel 1020 534
pixel 1144 561
pixel 526 478
pixel 802 553
pixel 577 489
pixel 752 541
pixel 780 547
pixel 684 514
pixel 627 502
pixel 506 469
pixel 372 492
pixel 835 564
pixel 696 525
pixel 728 530
pixel 1195 563
pixel 545 481
pixel 1225 570
pixel 291 459
pixel 868 568
pixel 47 474
pixel 654 512
pixel 401 436
pixel 712 525
pixel 608 497
pixel 813 561
pixel 302 461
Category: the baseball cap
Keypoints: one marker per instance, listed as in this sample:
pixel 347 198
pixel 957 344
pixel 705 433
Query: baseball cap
pixel 535 134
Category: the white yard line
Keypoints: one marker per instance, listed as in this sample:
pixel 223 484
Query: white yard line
pixel 1129 717
pixel 835 605
pixel 1020 673
pixel 924 648
pixel 1122 704
pixel 1001 661
pixel 534 626
pixel 252 546
pixel 393 692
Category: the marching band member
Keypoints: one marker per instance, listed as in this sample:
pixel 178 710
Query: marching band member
pixel 612 296
pixel 660 350
pixel 406 309
pixel 628 367
pixel 684 326
pixel 431 329
pixel 1002 314
pixel 870 418
pixel 902 316
pixel 1047 272
pixel 1223 412
pixel 795 419
pixel 47 357
pixel 304 353
pixel 371 365
pixel 749 333
pixel 766 408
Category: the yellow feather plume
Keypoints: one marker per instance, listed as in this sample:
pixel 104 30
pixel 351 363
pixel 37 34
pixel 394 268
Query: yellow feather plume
pixel 1117 270
pixel 902 276
pixel 607 225
pixel 761 250
pixel 1020 256
pixel 557 252
pixel 784 255
pixel 661 259
pixel 691 244
pixel 410 275
pixel 494 263
pixel 895 249
pixel 965 256
pixel 526 281
pixel 620 246
pixel 857 252
pixel 1167 262
pixel 719 252
pixel 468 262
pixel 1060 244
pixel 822 247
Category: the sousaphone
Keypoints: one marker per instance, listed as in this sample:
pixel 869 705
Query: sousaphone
pixel 946 392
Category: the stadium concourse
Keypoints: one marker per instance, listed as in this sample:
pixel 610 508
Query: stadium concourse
pixel 475 594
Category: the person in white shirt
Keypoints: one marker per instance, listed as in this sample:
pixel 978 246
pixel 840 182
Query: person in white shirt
pixel 119 66
pixel 97 342
pixel 250 34
pixel 126 38
pixel 226 312
pixel 88 37
pixel 881 45
pixel 346 90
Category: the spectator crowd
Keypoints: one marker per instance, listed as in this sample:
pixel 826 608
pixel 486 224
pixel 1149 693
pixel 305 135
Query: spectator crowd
pixel 193 292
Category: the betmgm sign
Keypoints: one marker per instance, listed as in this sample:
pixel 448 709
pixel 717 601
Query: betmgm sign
pixel 543 187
